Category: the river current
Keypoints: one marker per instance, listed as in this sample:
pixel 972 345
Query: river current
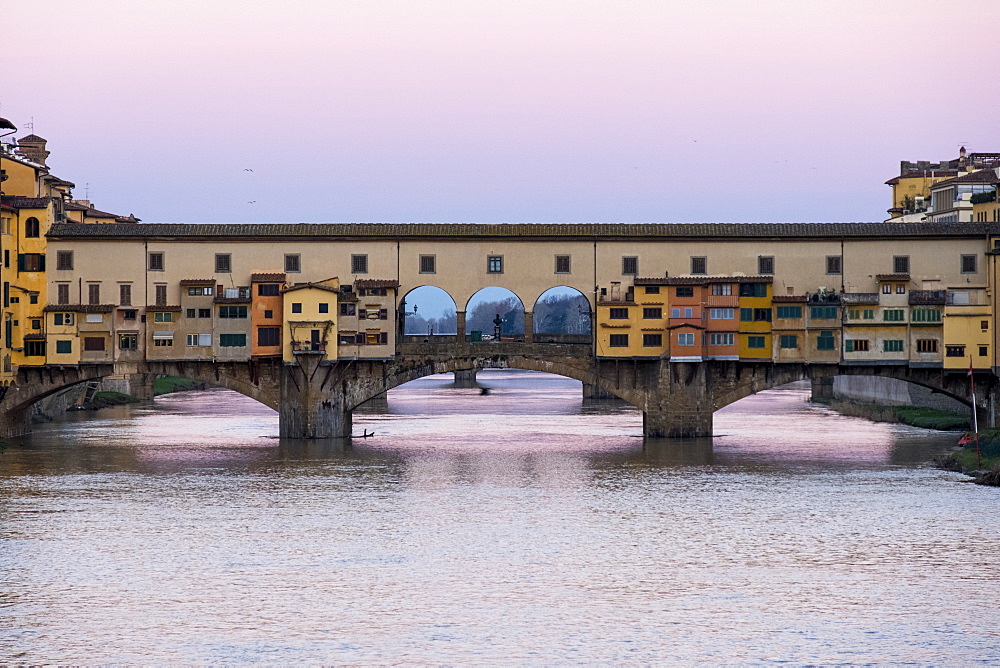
pixel 519 526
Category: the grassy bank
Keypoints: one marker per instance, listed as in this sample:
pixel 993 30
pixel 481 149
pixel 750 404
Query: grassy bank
pixel 168 384
pixel 926 418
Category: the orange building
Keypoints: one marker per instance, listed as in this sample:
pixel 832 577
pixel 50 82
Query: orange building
pixel 686 325
pixel 266 314
pixel 722 319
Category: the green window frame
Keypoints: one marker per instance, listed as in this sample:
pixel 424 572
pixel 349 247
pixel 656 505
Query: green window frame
pixel 894 315
pixel 746 315
pixel 823 312
pixel 64 347
pixel 755 342
pixel 753 289
pixel 926 315
pixel 892 345
pixel 825 340
pixel 789 341
pixel 790 312
pixel 160 316
pixel 232 311
pixel 232 340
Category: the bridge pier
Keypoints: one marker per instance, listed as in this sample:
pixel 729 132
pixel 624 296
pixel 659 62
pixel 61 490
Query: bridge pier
pixel 679 405
pixel 15 422
pixel 822 388
pixel 466 378
pixel 529 326
pixel 312 406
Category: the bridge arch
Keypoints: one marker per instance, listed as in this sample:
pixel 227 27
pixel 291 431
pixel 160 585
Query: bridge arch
pixel 581 372
pixel 490 302
pixel 562 310
pixel 438 308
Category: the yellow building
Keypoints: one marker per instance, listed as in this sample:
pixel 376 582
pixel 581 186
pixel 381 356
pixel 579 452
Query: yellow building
pixel 31 201
pixel 310 325
pixel 633 323
pixel 755 318
pixel 967 330
pixel 985 207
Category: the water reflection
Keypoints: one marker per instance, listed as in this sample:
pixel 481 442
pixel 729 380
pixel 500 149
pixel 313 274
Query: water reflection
pixel 516 527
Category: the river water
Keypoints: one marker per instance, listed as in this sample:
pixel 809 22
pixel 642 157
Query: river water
pixel 515 527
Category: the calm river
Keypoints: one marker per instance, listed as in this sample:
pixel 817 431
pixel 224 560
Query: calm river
pixel 518 527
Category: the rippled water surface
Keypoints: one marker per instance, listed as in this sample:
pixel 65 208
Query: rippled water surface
pixel 520 526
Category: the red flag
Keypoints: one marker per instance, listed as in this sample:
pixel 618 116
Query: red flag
pixel 966 438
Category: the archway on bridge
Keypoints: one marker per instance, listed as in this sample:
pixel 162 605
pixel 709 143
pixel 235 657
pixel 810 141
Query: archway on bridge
pixel 428 310
pixel 562 312
pixel 493 305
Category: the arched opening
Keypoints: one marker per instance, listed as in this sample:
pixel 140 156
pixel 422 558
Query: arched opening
pixel 427 311
pixel 562 313
pixel 32 228
pixel 495 312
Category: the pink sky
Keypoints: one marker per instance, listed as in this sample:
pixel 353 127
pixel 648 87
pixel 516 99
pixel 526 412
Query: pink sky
pixel 498 111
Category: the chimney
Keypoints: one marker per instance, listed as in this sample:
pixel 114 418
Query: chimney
pixel 32 147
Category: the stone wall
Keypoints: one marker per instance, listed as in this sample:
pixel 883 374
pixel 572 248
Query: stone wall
pixel 892 392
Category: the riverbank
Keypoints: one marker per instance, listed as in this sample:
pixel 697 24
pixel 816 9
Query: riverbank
pixel 161 386
pixel 168 384
pixel 925 418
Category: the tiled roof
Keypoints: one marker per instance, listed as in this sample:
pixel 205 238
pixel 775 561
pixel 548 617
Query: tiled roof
pixel 632 231
pixel 232 300
pixel 34 337
pixel 705 280
pixel 267 278
pixel 928 297
pixel 96 213
pixel 80 308
pixel 197 281
pixel 164 308
pixel 859 297
pixel 28 202
pixel 303 286
pixel 892 277
pixel 31 138
pixel 788 299
pixel 982 176
pixel 375 283
pixel 650 281
pixel 73 206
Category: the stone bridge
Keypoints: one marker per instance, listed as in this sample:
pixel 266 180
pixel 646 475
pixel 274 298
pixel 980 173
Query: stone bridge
pixel 315 399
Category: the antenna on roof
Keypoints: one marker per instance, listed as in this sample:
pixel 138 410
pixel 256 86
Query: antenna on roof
pixel 86 191
pixel 31 125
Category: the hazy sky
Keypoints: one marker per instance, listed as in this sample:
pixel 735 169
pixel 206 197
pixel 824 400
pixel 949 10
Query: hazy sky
pixel 559 110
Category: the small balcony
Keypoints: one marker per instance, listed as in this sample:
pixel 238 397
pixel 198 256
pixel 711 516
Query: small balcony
pixel 308 347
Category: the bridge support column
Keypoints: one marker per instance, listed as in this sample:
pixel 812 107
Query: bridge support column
pixel 312 406
pixel 822 388
pixel 680 403
pixel 595 392
pixel 15 422
pixel 140 386
pixel 461 344
pixel 466 378
pixel 529 326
